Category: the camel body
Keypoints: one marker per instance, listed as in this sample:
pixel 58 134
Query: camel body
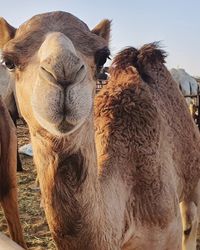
pixel 145 132
pixel 7 91
pixel 8 180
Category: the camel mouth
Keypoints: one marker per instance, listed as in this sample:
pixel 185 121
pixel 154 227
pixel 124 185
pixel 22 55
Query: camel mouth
pixel 65 127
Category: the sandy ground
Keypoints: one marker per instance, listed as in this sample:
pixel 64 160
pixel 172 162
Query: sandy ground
pixel 37 235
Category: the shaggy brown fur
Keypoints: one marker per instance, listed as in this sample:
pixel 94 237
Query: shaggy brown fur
pixel 8 182
pixel 144 132
pixel 140 59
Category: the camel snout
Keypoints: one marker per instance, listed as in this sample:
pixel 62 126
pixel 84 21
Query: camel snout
pixel 59 62
pixel 51 76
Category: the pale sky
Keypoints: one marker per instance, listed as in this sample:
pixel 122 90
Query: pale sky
pixel 134 22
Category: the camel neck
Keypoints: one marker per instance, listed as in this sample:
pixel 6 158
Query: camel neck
pixel 70 189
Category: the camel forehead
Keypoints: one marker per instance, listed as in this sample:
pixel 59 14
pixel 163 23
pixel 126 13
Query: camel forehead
pixel 52 21
pixel 31 34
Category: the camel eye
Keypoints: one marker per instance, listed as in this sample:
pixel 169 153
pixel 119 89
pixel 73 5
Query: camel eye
pixel 9 64
pixel 101 57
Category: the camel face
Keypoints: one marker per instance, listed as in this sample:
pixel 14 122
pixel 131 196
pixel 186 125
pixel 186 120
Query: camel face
pixel 54 58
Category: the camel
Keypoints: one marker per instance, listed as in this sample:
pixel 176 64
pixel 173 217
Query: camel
pixel 8 95
pixel 189 87
pixel 60 45
pixel 187 83
pixel 8 181
pixel 144 126
pixel 122 191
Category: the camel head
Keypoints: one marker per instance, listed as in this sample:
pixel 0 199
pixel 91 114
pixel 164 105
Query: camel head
pixel 54 59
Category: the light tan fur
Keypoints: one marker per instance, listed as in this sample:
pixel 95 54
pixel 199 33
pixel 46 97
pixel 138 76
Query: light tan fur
pixel 55 56
pixel 147 144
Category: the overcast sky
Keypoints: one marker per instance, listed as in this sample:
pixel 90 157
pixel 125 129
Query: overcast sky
pixel 134 22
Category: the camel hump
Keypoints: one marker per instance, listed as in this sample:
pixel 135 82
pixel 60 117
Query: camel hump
pixel 125 59
pixel 148 54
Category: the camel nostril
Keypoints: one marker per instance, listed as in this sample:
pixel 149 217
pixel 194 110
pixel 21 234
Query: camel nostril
pixel 49 76
pixel 45 73
pixel 82 67
pixel 81 73
pixel 62 75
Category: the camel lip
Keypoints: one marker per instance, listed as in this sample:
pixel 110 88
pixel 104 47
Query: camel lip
pixel 67 127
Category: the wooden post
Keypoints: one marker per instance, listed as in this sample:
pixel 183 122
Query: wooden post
pixel 7 244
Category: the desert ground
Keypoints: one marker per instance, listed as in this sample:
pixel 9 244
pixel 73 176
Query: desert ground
pixel 36 231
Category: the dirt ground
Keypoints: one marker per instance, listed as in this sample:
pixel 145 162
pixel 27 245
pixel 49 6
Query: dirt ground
pixel 36 232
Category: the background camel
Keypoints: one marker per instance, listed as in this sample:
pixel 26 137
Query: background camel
pixel 8 95
pixel 189 87
pixel 8 182
pixel 147 144
pixel 187 83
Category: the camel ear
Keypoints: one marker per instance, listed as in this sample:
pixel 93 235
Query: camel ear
pixel 103 29
pixel 7 32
